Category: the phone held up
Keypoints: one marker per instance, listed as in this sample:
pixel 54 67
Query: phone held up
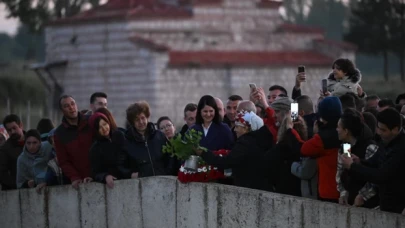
pixel 252 86
pixel 346 148
pixel 301 69
pixel 294 112
pixel 324 86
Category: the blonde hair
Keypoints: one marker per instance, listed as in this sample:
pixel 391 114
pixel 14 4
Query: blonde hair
pixel 300 127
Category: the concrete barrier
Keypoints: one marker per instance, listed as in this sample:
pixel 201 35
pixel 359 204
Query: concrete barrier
pixel 165 202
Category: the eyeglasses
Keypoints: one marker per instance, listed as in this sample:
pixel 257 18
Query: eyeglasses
pixel 166 127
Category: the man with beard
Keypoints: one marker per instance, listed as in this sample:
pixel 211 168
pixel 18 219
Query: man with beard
pixel 73 139
pixel 10 151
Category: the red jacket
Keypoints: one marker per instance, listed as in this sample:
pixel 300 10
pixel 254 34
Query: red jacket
pixel 324 146
pixel 270 122
pixel 72 146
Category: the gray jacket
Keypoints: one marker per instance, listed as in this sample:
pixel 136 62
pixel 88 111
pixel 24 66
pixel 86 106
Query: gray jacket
pixel 307 171
pixel 347 84
pixel 33 166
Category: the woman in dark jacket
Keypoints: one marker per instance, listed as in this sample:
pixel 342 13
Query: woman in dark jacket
pixel 106 150
pixel 144 155
pixel 246 159
pixel 216 135
pixel 352 129
pixel 281 157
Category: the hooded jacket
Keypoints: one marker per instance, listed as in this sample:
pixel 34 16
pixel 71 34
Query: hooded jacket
pixel 347 84
pixel 33 166
pixel 144 153
pixel 72 146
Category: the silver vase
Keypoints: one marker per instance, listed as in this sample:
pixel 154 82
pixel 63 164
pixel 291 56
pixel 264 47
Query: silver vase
pixel 191 164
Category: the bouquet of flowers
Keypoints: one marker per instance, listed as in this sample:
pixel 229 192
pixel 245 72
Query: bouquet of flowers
pixel 204 173
pixel 183 149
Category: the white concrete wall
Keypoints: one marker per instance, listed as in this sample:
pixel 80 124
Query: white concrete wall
pixel 165 202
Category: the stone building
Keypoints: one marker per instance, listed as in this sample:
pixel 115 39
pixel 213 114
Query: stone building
pixel 171 53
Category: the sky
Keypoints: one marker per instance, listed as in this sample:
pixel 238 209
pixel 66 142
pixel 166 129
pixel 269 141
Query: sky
pixel 7 25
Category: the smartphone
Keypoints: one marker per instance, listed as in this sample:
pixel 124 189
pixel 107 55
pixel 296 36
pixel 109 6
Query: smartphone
pixel 294 112
pixel 346 148
pixel 252 86
pixel 324 85
pixel 301 69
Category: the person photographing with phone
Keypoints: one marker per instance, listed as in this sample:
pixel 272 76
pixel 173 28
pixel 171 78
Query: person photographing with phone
pixel 344 78
pixel 299 79
pixel 357 143
pixel 389 174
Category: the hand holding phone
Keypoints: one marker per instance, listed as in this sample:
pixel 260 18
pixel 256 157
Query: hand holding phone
pixel 252 86
pixel 294 112
pixel 324 86
pixel 346 148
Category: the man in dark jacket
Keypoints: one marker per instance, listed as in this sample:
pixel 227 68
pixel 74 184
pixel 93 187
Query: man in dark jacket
pixel 190 113
pixel 390 175
pixel 145 144
pixel 10 151
pixel 73 139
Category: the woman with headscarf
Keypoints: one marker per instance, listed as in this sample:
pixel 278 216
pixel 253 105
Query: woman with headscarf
pixel 246 157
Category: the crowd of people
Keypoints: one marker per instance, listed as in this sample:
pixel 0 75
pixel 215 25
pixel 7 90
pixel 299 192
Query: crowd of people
pixel 269 150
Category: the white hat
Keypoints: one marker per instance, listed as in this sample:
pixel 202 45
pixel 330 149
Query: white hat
pixel 249 119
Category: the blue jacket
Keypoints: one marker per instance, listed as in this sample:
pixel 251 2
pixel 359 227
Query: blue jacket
pixel 33 166
pixel 219 136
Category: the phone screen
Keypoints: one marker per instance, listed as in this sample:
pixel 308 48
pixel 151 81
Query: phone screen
pixel 324 85
pixel 301 69
pixel 252 86
pixel 294 111
pixel 346 148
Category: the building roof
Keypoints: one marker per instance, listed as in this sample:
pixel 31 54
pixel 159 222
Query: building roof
pixel 293 28
pixel 128 9
pixel 148 43
pixel 245 58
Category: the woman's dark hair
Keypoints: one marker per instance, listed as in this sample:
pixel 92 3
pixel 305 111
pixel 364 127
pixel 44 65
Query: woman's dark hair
pixel 352 120
pixel 111 120
pixel 161 119
pixel 97 126
pixel 345 65
pixel 209 101
pixel 45 126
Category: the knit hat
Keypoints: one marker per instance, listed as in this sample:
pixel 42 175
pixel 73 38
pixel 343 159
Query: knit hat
pixel 330 109
pixel 33 133
pixel 94 117
pixel 249 119
pixel 282 104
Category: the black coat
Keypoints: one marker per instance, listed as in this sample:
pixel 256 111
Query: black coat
pixel 389 177
pixel 144 154
pixel 246 159
pixel 280 159
pixel 351 183
pixel 105 157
